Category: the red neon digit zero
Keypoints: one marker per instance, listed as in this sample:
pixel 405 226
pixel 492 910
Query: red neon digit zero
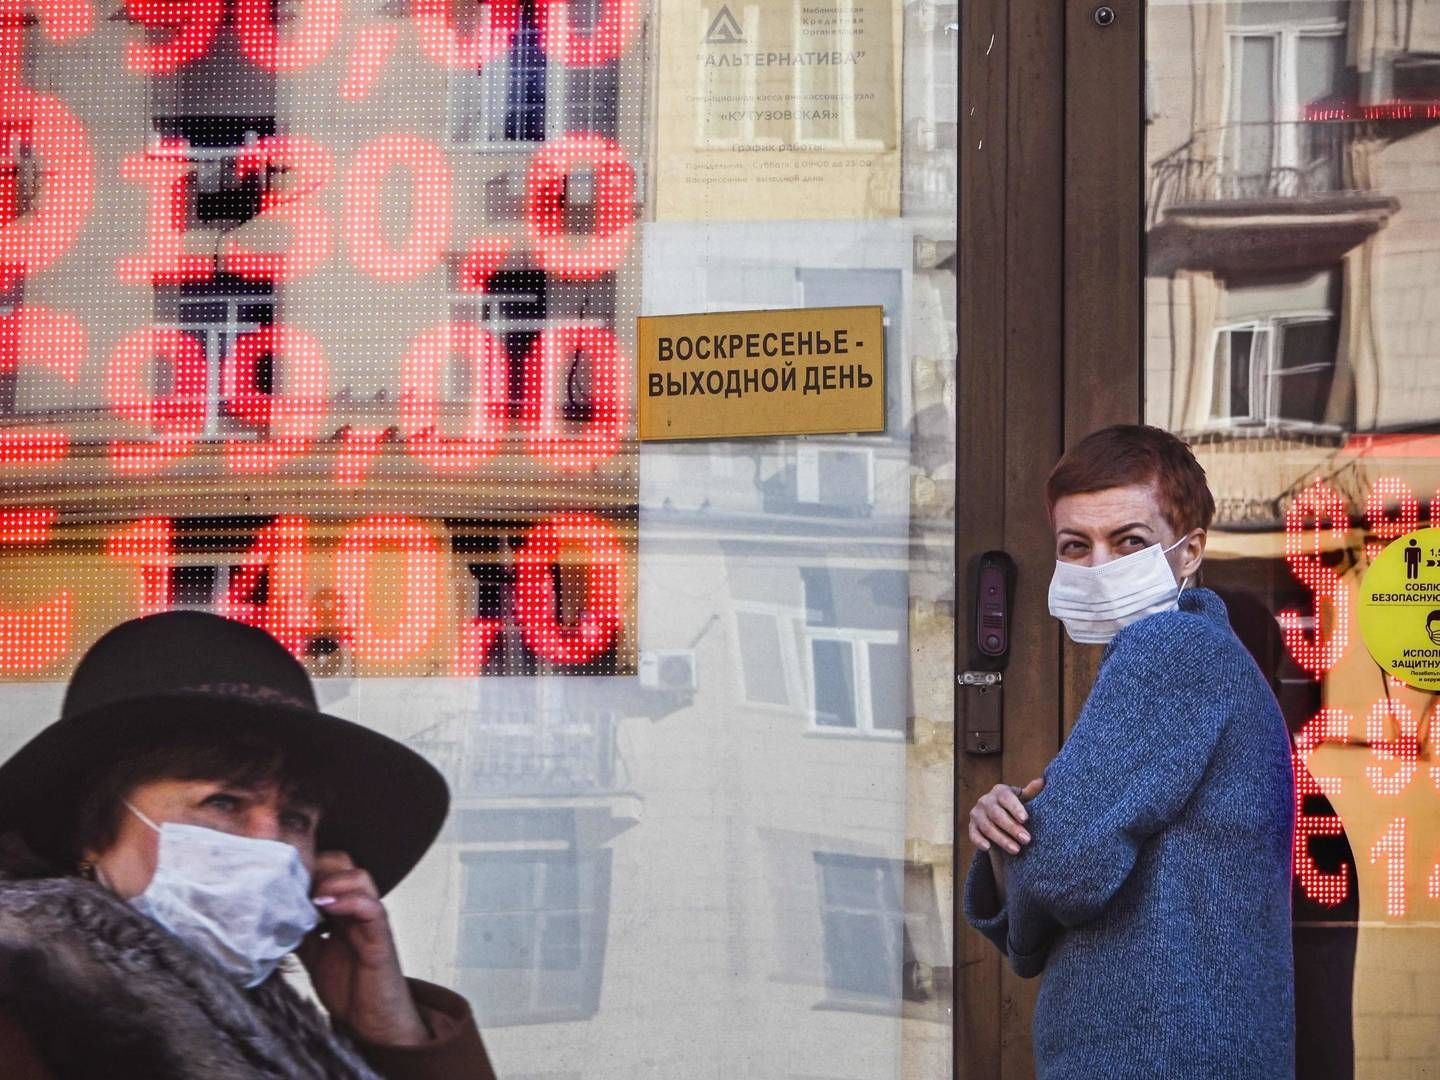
pixel 147 544
pixel 43 338
pixel 167 172
pixel 420 376
pixel 31 640
pixel 536 602
pixel 178 417
pixel 290 416
pixel 255 27
pixel 429 227
pixel 277 556
pixel 307 166
pixel 441 43
pixel 413 631
pixel 554 361
pixel 1326 888
pixel 545 200
pixel 1317 653
pixel 619 19
pixel 32 242
pixel 195 23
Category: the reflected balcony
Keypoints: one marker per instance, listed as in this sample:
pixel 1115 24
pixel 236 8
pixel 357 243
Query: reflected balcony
pixel 1265 197
pixel 522 754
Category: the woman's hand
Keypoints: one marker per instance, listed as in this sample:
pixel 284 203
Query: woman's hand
pixel 998 816
pixel 355 967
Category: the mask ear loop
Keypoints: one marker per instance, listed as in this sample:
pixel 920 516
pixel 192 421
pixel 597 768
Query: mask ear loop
pixel 1186 579
pixel 139 814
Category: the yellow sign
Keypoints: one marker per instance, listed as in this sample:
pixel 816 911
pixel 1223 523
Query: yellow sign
pixel 773 110
pixel 805 371
pixel 1400 609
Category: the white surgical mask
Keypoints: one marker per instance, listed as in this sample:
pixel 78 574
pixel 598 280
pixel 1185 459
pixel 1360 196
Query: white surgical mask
pixel 1095 602
pixel 243 901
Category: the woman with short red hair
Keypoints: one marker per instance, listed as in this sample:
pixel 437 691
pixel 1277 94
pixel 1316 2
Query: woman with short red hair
pixel 1147 875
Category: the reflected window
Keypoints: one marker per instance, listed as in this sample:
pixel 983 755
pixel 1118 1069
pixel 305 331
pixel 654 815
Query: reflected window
pixel 864 925
pixel 524 97
pixel 216 313
pixel 532 934
pixel 1276 371
pixel 760 637
pixel 856 656
pixel 212 144
pixel 1274 74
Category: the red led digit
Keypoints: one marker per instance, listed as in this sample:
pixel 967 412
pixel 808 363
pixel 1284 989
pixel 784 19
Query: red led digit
pixel 277 557
pixel 178 417
pixel 367 59
pixel 32 640
pixel 147 544
pixel 556 361
pixel 1402 749
pixel 307 167
pixel 536 602
pixel 292 415
pixel 413 631
pixel 613 199
pixel 195 23
pixel 486 401
pixel 619 19
pixel 441 43
pixel 32 242
pixel 1391 847
pixel 1328 889
pixel 1432 886
pixel 42 338
pixel 486 255
pixel 255 27
pixel 168 174
pixel 477 638
pixel 358 448
pixel 1317 651
pixel 61 20
pixel 1387 490
pixel 429 227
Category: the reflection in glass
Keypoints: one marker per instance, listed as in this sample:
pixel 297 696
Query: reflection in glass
pixel 1293 158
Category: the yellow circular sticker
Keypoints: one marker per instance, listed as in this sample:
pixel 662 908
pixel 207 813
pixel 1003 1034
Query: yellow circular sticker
pixel 1400 609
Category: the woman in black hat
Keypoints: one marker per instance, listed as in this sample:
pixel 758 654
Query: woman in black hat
pixel 190 821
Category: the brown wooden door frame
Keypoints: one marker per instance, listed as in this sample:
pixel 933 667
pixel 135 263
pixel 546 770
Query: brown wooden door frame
pixel 1050 283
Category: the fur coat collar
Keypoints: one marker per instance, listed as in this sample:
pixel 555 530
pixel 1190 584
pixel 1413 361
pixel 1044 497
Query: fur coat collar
pixel 103 991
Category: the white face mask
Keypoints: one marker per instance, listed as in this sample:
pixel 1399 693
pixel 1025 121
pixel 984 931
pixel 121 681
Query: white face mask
pixel 1095 602
pixel 243 901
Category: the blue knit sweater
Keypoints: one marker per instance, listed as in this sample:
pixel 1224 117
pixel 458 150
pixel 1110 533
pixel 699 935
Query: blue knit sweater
pixel 1155 891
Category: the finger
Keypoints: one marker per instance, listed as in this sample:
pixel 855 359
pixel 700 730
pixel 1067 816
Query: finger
pixel 1010 800
pixel 330 862
pixel 997 836
pixel 1001 818
pixel 1033 788
pixel 976 840
pixel 353 906
pixel 344 881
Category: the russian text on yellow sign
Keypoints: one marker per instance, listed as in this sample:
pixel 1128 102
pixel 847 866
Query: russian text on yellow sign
pixel 1400 609
pixel 802 371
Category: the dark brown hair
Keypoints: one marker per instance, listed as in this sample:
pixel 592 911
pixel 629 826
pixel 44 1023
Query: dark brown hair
pixel 1128 454
pixel 242 759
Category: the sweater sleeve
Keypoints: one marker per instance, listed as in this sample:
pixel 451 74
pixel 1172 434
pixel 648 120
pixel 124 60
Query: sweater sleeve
pixel 455 1052
pixel 1139 750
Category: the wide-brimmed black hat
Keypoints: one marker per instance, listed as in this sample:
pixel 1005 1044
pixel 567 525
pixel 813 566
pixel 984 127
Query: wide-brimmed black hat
pixel 183 674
